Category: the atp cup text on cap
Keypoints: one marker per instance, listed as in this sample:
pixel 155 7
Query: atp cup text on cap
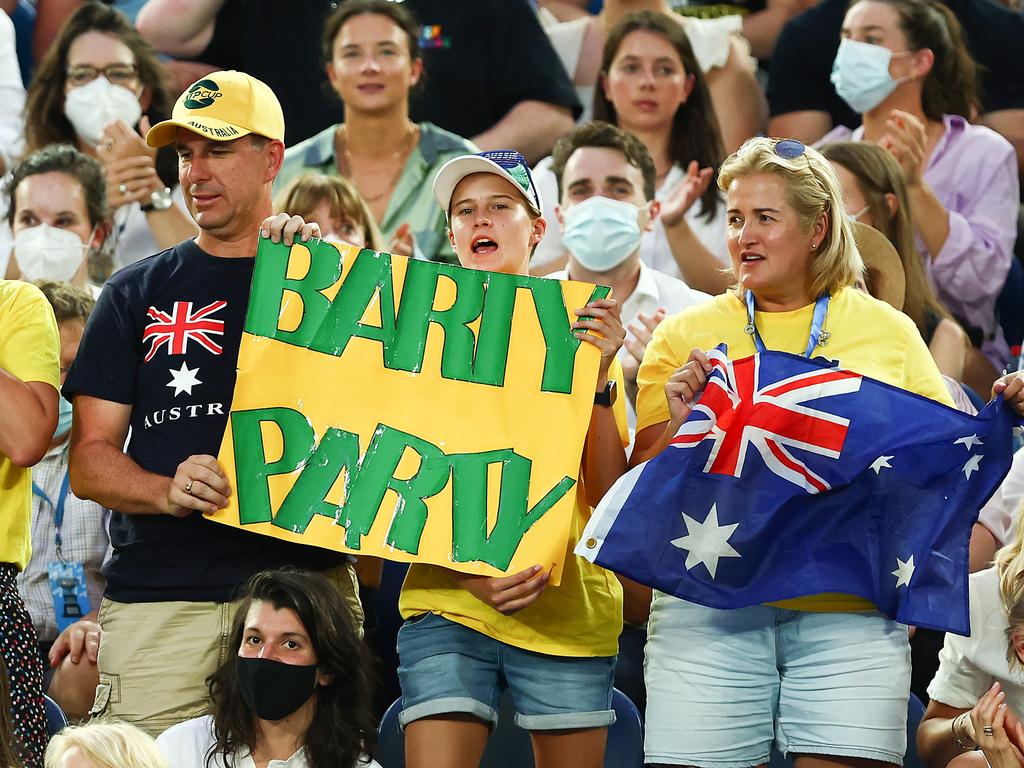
pixel 202 94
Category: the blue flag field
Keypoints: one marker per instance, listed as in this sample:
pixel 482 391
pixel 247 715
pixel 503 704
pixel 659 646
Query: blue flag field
pixel 792 477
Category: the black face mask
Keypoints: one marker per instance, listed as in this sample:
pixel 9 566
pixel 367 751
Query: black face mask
pixel 273 689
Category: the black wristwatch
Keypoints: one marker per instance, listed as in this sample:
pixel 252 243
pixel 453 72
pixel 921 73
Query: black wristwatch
pixel 607 395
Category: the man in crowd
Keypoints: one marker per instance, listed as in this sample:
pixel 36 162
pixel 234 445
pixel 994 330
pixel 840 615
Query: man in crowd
pixel 157 367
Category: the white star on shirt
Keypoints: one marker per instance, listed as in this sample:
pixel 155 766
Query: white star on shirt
pixel 972 465
pixel 882 462
pixel 706 542
pixel 904 572
pixel 968 442
pixel 183 379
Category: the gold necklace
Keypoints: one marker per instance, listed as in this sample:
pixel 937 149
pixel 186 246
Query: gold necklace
pixel 400 155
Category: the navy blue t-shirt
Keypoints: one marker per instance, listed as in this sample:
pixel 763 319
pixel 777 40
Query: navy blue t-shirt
pixel 164 339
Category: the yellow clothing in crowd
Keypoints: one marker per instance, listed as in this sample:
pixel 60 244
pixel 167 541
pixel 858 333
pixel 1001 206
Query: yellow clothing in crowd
pixel 866 336
pixel 29 351
pixel 582 616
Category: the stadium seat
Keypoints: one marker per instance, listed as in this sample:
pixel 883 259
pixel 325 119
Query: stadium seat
pixel 509 746
pixel 56 720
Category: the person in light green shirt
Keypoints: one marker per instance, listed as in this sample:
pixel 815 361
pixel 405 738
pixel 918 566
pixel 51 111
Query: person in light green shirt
pixel 371 48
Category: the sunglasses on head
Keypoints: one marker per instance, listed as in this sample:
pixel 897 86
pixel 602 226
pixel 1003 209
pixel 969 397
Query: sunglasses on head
pixel 789 149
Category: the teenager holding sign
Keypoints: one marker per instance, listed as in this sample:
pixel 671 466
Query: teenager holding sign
pixel 554 647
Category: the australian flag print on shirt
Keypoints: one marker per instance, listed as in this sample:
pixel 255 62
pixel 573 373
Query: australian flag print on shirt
pixel 792 477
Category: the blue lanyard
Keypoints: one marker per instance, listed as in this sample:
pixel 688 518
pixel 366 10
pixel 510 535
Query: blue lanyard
pixel 58 508
pixel 818 337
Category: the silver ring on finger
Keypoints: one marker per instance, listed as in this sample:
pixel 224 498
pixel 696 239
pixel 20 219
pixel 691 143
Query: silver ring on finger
pixel 122 188
pixel 188 487
pixel 988 730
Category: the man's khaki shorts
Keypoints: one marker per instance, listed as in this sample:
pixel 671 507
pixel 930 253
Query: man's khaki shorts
pixel 154 658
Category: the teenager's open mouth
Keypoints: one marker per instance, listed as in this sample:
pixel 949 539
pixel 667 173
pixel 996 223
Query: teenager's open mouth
pixel 484 245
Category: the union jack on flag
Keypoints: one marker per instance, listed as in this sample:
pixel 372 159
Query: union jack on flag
pixel 793 477
pixel 177 328
pixel 743 414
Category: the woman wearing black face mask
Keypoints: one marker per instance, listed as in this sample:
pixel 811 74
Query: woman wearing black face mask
pixel 296 691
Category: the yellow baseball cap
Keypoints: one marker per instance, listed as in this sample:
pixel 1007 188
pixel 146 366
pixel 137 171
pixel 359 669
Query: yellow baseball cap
pixel 223 106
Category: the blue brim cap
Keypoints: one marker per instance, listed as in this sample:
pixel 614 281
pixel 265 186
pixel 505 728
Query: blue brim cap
pixel 506 163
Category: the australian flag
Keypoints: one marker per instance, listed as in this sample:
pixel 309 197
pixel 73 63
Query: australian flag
pixel 792 477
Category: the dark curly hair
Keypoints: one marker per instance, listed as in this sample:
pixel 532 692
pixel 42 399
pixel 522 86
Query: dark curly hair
pixel 343 728
pixel 63 158
pixel 45 121
pixel 695 131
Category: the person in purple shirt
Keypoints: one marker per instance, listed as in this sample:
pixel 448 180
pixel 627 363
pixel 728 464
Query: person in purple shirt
pixel 903 66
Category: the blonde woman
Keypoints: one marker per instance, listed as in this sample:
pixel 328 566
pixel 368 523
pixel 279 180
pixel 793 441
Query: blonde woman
pixel 103 745
pixel 977 695
pixel 824 677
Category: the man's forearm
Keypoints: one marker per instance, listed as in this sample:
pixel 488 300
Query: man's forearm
pixel 105 474
pixel 532 127
pixel 697 265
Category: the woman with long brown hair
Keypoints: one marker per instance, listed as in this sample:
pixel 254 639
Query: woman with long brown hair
pixel 875 192
pixel 903 65
pixel 99 88
pixel 651 86
pixel 296 688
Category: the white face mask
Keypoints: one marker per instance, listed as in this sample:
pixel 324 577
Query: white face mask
pixel 93 106
pixel 45 251
pixel 601 232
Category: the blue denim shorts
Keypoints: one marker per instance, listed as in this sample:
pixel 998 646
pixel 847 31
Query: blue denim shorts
pixel 447 668
pixel 723 687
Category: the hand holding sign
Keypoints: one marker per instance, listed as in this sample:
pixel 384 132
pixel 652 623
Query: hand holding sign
pixel 414 411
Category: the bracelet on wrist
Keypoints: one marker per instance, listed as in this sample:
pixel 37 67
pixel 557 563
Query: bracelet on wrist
pixel 956 729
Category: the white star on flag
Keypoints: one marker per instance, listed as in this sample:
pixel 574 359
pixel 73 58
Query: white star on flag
pixel 968 442
pixel 183 379
pixel 904 572
pixel 706 542
pixel 972 464
pixel 882 462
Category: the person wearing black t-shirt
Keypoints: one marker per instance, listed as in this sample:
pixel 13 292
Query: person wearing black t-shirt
pixel 156 367
pixel 492 75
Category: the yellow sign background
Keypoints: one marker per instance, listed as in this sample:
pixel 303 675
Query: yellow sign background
pixel 357 393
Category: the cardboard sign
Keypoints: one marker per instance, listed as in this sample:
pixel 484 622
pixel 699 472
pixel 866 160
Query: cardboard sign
pixel 409 410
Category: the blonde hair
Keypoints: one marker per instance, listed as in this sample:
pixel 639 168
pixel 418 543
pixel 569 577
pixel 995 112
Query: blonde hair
pixel 109 744
pixel 1009 564
pixel 304 193
pixel 812 189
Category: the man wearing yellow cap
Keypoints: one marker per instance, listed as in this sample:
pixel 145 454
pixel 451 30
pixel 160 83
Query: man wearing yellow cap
pixel 152 387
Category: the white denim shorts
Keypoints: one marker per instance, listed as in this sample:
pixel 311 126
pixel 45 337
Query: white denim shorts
pixel 725 686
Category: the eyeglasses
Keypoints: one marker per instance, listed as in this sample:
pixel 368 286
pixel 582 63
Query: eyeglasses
pixel 117 74
pixel 789 149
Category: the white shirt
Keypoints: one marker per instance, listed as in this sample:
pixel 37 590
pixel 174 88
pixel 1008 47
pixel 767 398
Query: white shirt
pixel 969 665
pixel 186 745
pixel 134 237
pixel 653 290
pixel 999 512
pixel 12 94
pixel 654 248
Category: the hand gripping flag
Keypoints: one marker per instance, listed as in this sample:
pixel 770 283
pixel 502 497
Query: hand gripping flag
pixel 792 477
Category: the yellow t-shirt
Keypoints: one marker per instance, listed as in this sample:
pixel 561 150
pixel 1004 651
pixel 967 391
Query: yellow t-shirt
pixel 867 336
pixel 29 351
pixel 582 616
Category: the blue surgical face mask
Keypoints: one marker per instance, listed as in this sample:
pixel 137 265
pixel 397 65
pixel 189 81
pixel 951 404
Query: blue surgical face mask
pixel 860 74
pixel 601 233
pixel 63 417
